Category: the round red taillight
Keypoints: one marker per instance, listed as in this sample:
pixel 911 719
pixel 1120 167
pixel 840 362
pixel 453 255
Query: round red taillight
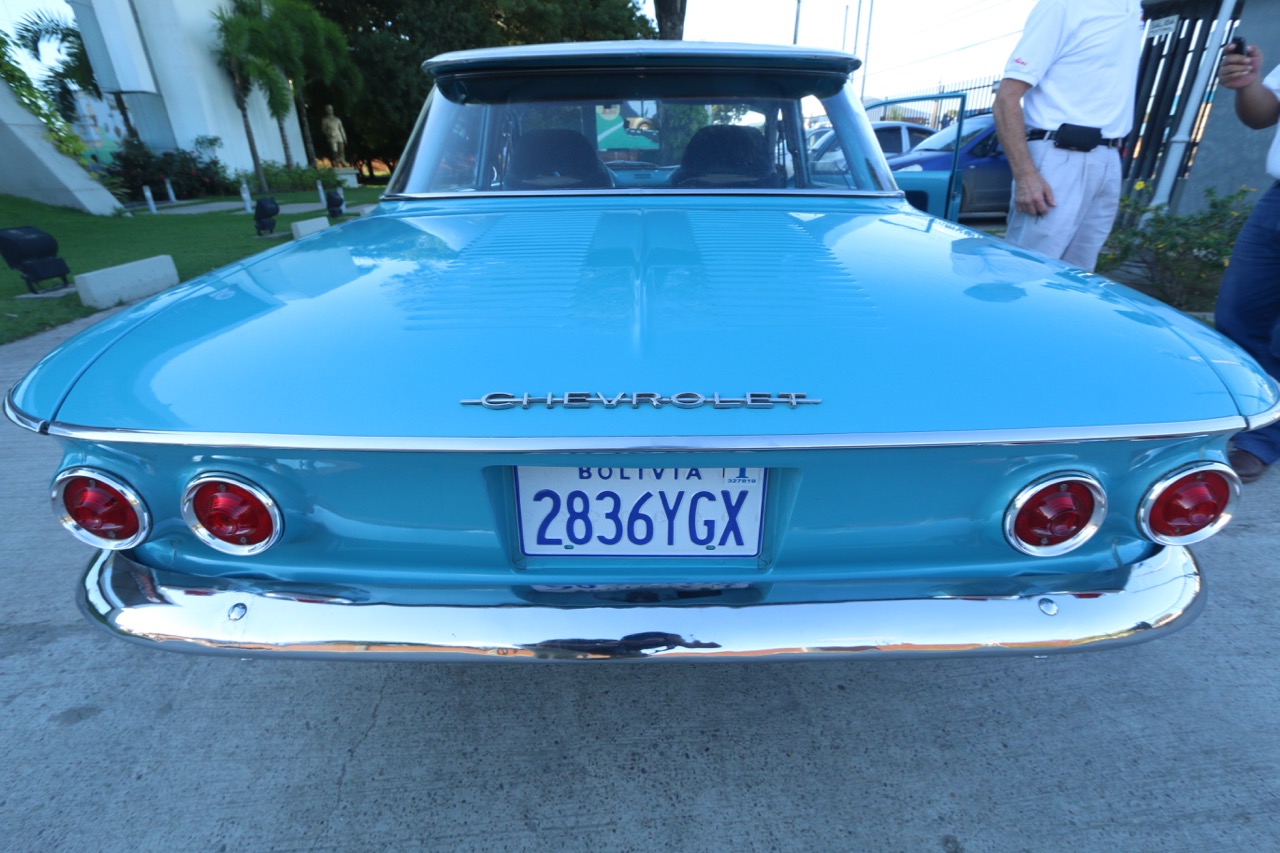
pixel 99 509
pixel 1055 515
pixel 232 515
pixel 1189 505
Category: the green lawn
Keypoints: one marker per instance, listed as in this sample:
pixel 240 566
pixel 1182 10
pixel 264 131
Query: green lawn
pixel 197 242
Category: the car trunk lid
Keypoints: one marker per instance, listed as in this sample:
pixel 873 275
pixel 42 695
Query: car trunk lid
pixel 399 324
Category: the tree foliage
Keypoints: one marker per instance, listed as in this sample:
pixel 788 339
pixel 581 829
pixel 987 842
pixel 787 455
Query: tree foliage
pixel 309 50
pixel 390 39
pixel 244 49
pixel 72 71
pixel 38 103
pixel 679 123
pixel 543 21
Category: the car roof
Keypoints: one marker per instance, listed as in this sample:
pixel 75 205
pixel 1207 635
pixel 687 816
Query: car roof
pixel 982 121
pixel 641 54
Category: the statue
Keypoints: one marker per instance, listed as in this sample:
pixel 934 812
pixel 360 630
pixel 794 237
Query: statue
pixel 331 127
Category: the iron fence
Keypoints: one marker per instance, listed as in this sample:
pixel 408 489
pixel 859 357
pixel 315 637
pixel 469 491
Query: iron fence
pixel 981 93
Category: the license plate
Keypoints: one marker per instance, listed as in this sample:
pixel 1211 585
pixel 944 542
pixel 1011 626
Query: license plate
pixel 640 512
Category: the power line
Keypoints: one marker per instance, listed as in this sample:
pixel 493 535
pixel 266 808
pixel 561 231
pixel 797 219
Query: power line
pixel 957 14
pixel 948 52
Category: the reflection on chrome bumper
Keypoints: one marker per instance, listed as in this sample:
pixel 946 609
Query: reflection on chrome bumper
pixel 183 613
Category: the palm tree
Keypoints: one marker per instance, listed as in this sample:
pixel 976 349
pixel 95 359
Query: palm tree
pixel 671 18
pixel 243 46
pixel 283 44
pixel 73 71
pixel 311 49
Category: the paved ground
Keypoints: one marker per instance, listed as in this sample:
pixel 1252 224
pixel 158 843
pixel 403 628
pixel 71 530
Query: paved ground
pixel 1168 746
pixel 238 207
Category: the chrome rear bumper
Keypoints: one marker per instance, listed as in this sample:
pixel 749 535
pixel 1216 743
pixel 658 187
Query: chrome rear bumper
pixel 184 614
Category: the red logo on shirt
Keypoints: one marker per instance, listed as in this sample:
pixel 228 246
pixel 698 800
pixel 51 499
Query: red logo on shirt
pixel 1017 61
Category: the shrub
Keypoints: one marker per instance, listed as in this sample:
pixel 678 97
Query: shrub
pixel 1176 258
pixel 193 174
pixel 283 179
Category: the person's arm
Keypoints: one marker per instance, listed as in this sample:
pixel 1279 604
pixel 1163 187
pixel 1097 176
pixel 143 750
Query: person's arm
pixel 1032 193
pixel 1256 105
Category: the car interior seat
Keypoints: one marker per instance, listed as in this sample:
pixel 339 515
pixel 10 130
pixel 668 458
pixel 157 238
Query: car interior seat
pixel 725 156
pixel 555 159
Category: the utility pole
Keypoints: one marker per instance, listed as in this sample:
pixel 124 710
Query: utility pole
pixel 795 38
pixel 857 26
pixel 871 13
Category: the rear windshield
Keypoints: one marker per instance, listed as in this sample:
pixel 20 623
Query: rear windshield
pixel 662 131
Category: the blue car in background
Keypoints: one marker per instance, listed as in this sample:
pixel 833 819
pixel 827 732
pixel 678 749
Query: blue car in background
pixel 578 390
pixel 986 180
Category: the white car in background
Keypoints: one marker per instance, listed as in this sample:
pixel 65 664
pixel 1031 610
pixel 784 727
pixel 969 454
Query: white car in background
pixel 898 137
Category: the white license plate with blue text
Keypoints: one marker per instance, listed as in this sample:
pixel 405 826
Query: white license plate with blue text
pixel 640 512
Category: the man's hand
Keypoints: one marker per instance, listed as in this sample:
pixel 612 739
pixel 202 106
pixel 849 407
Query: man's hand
pixel 1032 194
pixel 1256 105
pixel 1241 70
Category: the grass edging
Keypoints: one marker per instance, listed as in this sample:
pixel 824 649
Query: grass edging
pixel 198 243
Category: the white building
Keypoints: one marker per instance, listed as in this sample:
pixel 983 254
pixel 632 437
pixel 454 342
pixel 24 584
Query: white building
pixel 160 55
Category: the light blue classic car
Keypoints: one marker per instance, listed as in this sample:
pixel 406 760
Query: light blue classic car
pixel 583 390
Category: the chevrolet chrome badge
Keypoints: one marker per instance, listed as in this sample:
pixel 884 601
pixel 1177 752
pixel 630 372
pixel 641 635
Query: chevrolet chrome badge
pixel 637 399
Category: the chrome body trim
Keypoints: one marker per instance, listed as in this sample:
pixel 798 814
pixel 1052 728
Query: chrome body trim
pixel 182 613
pixel 649 443
pixel 1085 534
pixel 86 536
pixel 1262 419
pixel 19 417
pixel 1149 500
pixel 803 192
pixel 202 533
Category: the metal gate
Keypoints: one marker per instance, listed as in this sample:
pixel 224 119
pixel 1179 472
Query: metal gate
pixel 1179 39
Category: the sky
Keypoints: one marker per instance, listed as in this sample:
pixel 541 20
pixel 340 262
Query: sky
pixel 913 45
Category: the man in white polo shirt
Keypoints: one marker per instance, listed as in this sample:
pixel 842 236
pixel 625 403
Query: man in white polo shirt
pixel 1062 112
pixel 1248 309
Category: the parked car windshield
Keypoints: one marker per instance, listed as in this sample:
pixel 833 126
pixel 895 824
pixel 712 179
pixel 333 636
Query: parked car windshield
pixel 664 131
pixel 945 139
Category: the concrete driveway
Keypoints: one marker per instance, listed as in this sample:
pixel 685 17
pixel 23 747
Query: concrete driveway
pixel 1167 746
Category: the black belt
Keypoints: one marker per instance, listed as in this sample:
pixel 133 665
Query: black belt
pixel 1033 135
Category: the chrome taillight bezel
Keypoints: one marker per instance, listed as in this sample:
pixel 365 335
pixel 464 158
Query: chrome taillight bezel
pixel 1030 490
pixel 202 533
pixel 139 507
pixel 1157 489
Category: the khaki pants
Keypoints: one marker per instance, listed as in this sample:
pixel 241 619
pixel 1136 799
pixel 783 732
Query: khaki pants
pixel 1086 194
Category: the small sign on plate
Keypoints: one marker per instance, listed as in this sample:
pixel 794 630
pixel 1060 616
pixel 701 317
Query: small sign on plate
pixel 1162 27
pixel 640 512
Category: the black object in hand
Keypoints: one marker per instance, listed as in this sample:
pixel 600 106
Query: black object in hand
pixel 1237 46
